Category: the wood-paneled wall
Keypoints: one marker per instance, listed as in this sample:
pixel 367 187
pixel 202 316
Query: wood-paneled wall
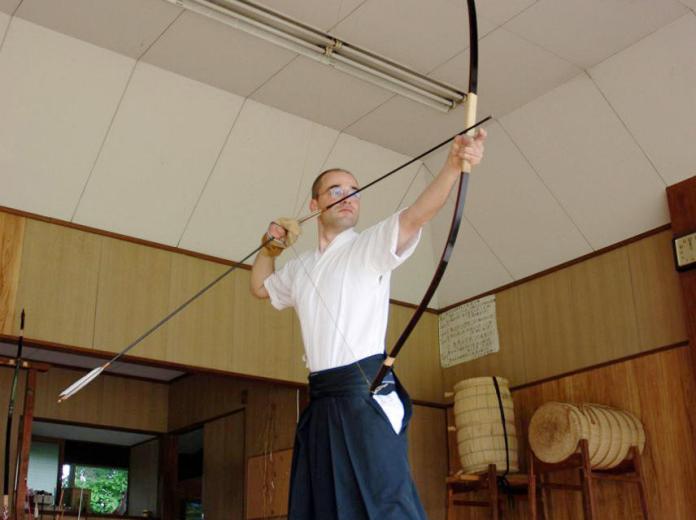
pixel 11 245
pixel 611 306
pixel 143 475
pixel 224 468
pixel 659 388
pixel 111 401
pixel 87 290
pixel 271 414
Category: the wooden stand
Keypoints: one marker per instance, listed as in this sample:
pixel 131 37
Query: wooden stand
pixel 627 471
pixel 460 485
pixel 24 439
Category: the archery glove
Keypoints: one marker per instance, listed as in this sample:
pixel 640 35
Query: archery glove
pixel 277 245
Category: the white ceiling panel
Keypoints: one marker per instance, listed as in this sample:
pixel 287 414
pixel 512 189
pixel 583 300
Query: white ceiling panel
pixel 500 11
pixel 4 22
pixel 57 97
pixel 588 31
pixel 8 6
pixel 410 281
pixel 652 86
pixel 206 50
pixel 161 148
pixel 419 35
pixel 589 161
pixel 473 268
pixel 407 127
pixel 323 14
pixel 512 72
pixel 320 93
pixel 126 26
pixel 509 205
pixel 255 180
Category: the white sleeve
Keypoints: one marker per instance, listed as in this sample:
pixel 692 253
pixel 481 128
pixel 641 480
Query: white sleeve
pixel 377 245
pixel 279 286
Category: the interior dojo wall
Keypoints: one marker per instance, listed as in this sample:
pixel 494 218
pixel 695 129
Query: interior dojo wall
pixel 90 291
pixel 270 415
pixel 624 303
pixel 110 401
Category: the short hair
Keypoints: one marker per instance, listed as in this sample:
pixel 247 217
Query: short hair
pixel 317 181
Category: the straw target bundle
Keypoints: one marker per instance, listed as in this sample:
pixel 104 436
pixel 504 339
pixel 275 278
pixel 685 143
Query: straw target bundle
pixel 556 428
pixel 481 433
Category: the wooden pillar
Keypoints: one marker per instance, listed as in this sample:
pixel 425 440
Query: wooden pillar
pixel 168 503
pixel 681 198
pixel 25 444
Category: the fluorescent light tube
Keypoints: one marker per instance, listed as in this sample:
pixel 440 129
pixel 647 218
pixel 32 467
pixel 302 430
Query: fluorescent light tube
pixel 312 43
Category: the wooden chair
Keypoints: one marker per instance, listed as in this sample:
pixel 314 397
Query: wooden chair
pixel 629 470
pixel 459 485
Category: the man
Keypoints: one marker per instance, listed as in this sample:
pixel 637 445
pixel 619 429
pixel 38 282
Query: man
pixel 350 459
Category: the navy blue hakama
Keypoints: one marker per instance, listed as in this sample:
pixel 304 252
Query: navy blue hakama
pixel 348 462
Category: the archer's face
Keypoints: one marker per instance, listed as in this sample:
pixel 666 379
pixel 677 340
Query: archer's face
pixel 334 186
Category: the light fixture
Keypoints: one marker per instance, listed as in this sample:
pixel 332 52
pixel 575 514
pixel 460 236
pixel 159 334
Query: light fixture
pixel 310 42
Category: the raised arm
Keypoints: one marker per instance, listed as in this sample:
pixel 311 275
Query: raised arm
pixel 434 196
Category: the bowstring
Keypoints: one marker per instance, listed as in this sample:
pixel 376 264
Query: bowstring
pixel 333 318
pixel 331 315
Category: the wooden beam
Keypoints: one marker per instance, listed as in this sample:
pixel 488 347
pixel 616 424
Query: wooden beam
pixel 27 365
pixel 681 198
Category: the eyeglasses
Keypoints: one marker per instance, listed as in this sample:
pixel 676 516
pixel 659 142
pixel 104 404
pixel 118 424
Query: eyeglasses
pixel 336 192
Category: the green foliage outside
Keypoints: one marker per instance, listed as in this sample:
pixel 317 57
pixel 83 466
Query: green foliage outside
pixel 108 487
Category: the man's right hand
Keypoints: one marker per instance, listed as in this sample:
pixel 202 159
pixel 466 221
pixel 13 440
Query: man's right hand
pixel 283 232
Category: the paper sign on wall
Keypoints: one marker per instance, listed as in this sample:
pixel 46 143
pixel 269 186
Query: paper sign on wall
pixel 468 332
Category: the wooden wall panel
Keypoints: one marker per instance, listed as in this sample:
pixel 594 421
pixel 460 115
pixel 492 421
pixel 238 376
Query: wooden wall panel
pixel 108 401
pixel 659 389
pixel 197 398
pixel 133 296
pixel 579 316
pixel 271 409
pixel 609 307
pixel 202 334
pixel 418 364
pixel 11 244
pixel 223 468
pixel 428 456
pixel 511 360
pixel 268 485
pixel 264 338
pixel 58 283
pixel 659 307
pixel 143 475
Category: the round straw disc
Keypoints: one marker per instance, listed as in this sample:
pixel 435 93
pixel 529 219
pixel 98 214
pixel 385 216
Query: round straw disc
pixel 603 435
pixel 593 438
pixel 554 432
pixel 627 434
pixel 641 432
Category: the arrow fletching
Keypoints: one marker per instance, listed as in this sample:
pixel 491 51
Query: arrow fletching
pixel 80 383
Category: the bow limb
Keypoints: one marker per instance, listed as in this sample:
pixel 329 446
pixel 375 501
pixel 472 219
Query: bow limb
pixel 470 116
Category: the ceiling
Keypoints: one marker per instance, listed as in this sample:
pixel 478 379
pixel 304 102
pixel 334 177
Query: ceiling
pixel 86 434
pixel 68 359
pixel 137 117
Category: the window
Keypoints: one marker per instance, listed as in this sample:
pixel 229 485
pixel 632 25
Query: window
pixel 108 486
pixel 43 467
